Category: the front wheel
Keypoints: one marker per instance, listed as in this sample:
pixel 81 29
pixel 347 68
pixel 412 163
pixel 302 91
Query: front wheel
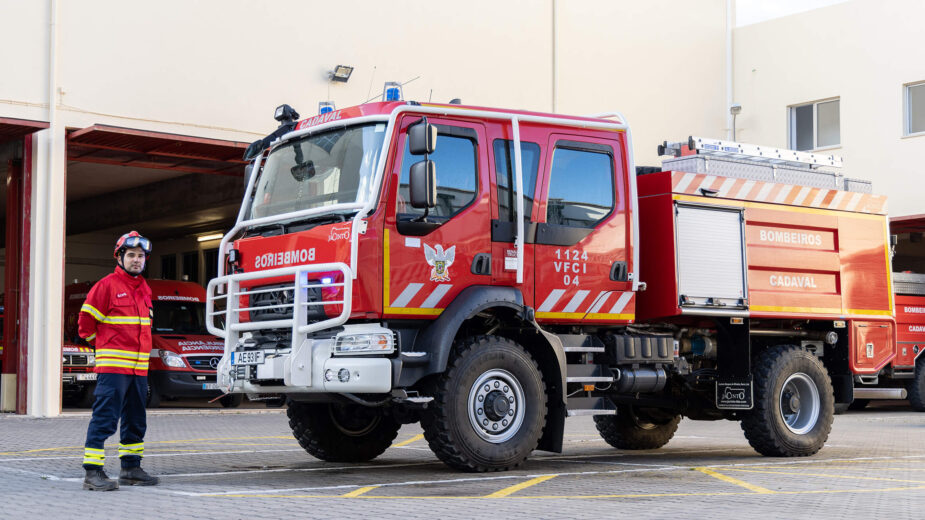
pixel 489 406
pixel 341 432
pixel 231 400
pixel 794 404
pixel 637 428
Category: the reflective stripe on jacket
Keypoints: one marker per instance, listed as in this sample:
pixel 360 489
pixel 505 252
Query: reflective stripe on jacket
pixel 116 317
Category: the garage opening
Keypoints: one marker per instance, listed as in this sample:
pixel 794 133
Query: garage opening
pixel 182 192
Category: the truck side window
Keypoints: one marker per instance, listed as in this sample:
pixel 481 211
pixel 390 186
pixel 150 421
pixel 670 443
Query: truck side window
pixel 581 190
pixel 457 173
pixel 504 172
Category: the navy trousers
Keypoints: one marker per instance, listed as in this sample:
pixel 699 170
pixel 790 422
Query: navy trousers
pixel 118 397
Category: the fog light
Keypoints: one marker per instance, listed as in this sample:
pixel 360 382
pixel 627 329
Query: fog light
pixel 329 375
pixel 343 375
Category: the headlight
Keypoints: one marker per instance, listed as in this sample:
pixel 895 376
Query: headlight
pixel 172 359
pixel 375 343
pixel 91 359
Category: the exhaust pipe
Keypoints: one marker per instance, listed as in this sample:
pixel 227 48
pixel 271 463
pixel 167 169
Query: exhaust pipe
pixel 880 393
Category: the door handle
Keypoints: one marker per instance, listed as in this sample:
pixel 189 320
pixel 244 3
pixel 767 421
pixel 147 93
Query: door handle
pixel 481 264
pixel 618 272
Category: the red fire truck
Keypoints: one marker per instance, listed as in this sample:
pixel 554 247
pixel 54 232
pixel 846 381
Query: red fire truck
pixel 490 272
pixel 184 354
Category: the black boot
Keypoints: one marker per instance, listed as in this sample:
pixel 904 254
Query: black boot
pixel 136 477
pixel 97 480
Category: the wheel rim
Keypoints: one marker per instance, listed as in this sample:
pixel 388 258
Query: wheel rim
pixel 496 406
pixel 353 421
pixel 799 403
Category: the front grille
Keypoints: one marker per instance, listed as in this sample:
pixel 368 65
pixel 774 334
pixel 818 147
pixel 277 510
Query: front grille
pixel 207 363
pixel 76 360
pixel 279 303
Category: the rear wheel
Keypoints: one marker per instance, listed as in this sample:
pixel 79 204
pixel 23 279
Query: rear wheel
pixel 341 432
pixel 489 406
pixel 635 428
pixel 917 386
pixel 794 403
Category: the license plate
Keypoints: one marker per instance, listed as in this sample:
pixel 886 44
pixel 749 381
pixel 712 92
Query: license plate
pixel 210 386
pixel 91 376
pixel 254 357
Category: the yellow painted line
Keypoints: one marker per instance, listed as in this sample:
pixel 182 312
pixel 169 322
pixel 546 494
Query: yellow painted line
pixel 359 491
pixel 825 475
pixel 725 478
pixel 409 441
pixel 517 487
pixel 385 268
pixel 582 315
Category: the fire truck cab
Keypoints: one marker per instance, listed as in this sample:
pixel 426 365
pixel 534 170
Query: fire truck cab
pixel 491 272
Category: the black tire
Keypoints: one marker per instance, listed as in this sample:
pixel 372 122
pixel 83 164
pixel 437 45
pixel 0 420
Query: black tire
pixel 794 403
pixel 153 399
pixel 461 429
pixel 87 397
pixel 917 386
pixel 858 404
pixel 231 400
pixel 841 408
pixel 341 432
pixel 637 428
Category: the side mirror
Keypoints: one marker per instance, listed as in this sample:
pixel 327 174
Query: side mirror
pixel 423 184
pixel 422 138
pixel 248 171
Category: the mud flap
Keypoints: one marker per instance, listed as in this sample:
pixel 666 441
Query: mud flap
pixel 734 394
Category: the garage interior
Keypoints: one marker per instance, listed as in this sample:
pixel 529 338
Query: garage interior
pixel 182 192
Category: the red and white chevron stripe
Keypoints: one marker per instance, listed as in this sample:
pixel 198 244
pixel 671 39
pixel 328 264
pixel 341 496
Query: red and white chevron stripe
pixel 584 302
pixel 789 194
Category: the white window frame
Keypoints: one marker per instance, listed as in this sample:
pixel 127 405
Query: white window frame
pixel 906 110
pixel 791 124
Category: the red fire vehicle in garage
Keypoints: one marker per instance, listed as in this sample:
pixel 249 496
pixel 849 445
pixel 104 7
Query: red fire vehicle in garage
pixel 490 272
pixel 183 357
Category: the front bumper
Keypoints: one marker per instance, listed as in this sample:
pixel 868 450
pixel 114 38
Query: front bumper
pixel 311 367
pixel 182 384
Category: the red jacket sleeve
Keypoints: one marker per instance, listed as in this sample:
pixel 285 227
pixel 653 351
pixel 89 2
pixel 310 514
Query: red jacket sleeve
pixel 93 311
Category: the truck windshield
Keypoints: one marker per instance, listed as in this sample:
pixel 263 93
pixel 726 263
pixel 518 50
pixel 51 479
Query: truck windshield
pixel 334 167
pixel 179 318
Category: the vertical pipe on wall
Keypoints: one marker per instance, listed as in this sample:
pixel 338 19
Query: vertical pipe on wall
pixel 555 64
pixel 730 21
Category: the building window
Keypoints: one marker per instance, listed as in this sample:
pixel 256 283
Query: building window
pixel 210 257
pixel 169 267
pixel 579 204
pixel 191 266
pixel 915 108
pixel 815 125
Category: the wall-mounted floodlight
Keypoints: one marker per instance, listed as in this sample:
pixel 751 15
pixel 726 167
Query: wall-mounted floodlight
pixel 392 91
pixel 341 73
pixel 735 109
pixel 326 106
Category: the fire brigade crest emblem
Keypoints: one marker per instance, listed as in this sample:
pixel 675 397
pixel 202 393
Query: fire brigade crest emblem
pixel 439 261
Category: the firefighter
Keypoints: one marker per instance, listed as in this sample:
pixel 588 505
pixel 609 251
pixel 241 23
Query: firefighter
pixel 116 320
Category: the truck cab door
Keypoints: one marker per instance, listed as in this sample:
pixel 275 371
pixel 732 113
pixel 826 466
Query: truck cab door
pixel 503 225
pixel 428 260
pixel 582 250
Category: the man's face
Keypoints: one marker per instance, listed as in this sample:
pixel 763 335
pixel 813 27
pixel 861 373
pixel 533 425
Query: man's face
pixel 133 261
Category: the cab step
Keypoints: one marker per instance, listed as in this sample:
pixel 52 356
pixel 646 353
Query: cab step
pixel 581 343
pixel 590 406
pixel 582 373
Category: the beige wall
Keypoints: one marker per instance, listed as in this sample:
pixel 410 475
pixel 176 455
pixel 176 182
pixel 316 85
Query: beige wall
pixel 863 52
